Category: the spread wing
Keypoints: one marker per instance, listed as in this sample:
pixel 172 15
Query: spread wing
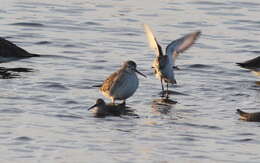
pixel 152 40
pixel 180 45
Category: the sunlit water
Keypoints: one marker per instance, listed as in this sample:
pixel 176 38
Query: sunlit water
pixel 44 115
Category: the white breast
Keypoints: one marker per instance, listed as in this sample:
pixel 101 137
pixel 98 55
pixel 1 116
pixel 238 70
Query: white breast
pixel 166 73
pixel 127 88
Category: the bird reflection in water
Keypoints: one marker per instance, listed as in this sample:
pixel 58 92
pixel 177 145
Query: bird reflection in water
pixel 163 105
pixel 11 52
pixel 9 73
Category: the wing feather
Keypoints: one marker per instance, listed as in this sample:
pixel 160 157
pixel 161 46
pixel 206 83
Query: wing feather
pixel 152 40
pixel 108 83
pixel 180 45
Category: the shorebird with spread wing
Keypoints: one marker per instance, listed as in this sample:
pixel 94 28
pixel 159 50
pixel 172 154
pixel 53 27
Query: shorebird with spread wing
pixel 164 64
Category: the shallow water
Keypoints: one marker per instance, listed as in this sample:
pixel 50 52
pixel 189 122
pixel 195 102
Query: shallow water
pixel 44 115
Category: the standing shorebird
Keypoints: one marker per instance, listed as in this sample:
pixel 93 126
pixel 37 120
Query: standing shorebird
pixel 163 65
pixel 252 64
pixel 121 84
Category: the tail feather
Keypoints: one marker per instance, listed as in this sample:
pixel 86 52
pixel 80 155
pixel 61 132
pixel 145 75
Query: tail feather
pixel 243 114
pixel 241 64
pixel 34 55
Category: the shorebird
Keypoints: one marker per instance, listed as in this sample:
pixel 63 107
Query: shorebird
pixel 252 64
pixel 9 51
pixel 163 65
pixel 123 83
pixel 249 116
pixel 103 109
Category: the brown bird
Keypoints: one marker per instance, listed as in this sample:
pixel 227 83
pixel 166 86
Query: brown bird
pixel 103 109
pixel 249 116
pixel 121 84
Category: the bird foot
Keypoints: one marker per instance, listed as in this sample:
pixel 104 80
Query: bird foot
pixel 164 94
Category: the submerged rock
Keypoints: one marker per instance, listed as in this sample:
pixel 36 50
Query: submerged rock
pixel 164 101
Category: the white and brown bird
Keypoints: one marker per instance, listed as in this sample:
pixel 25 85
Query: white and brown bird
pixel 123 83
pixel 164 64
pixel 252 65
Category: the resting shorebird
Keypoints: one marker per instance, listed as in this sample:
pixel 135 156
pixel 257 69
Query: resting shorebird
pixel 163 65
pixel 103 109
pixel 252 64
pixel 10 52
pixel 121 84
pixel 249 116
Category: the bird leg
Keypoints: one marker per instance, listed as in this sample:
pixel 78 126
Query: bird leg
pixel 167 91
pixel 162 88
pixel 123 102
pixel 113 101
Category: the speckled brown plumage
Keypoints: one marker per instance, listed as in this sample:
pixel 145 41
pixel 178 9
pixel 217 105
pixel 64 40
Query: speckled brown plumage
pixel 121 84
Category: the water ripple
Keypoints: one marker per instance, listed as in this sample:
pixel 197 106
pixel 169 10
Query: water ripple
pixel 23 138
pixel 12 110
pixel 44 111
pixel 54 86
pixel 28 24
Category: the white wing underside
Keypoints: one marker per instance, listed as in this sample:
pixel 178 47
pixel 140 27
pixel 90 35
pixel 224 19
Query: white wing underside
pixel 151 39
pixel 175 47
pixel 180 45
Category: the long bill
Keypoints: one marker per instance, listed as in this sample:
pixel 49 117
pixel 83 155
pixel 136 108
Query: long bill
pixel 140 73
pixel 92 107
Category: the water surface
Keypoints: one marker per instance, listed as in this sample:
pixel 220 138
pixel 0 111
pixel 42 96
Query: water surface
pixel 43 112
